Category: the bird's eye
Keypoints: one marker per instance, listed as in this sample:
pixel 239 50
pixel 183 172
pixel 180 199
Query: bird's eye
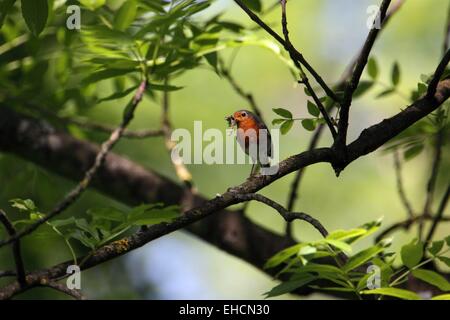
pixel 243 114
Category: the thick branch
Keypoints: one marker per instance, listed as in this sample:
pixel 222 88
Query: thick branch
pixel 79 189
pixel 20 135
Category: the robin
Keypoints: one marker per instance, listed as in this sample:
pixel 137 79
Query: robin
pixel 253 137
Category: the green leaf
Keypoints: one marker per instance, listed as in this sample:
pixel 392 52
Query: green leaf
pixel 309 124
pixel 92 4
pixel 289 286
pixel 118 95
pixel 363 87
pixel 307 250
pixel 441 297
pixel 335 289
pixel 394 292
pixel 283 112
pixel 346 234
pixel 126 15
pixel 362 257
pixel 413 151
pixel 85 226
pixel 372 68
pixel 35 13
pixel 345 247
pixel 286 126
pixel 445 260
pixel 447 240
pixel 212 59
pixel 313 109
pixel 254 5
pixel 23 205
pixel 432 278
pixel 151 214
pixel 436 246
pixel 385 93
pixel 163 87
pixel 62 222
pixel 278 121
pixel 5 6
pixel 283 255
pixel 111 214
pixel 104 74
pixel 395 75
pixel 84 239
pixel 412 253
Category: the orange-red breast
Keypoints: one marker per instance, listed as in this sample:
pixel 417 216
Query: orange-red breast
pixel 249 127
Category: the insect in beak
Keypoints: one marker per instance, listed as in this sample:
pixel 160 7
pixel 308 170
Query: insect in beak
pixel 231 121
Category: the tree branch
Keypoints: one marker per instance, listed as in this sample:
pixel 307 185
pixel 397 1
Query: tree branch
pixel 406 224
pixel 239 90
pixel 100 127
pixel 439 215
pixel 297 55
pixel 433 177
pixel 20 135
pixel 304 79
pixel 432 87
pixel 356 76
pixel 287 215
pixel 182 172
pixel 400 188
pixel 63 288
pixel 20 269
pixel 76 192
pixel 315 138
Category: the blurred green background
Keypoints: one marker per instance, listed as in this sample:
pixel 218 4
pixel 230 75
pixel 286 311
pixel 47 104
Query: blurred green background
pixel 178 266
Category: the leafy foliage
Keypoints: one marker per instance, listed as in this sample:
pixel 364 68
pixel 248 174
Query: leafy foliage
pixel 103 226
pixel 320 265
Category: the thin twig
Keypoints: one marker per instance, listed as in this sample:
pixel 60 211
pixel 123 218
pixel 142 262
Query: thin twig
pixel 315 138
pixel 351 66
pixel 298 56
pixel 131 134
pixel 439 215
pixel 76 192
pixel 180 168
pixel 431 185
pixel 356 75
pixel 20 270
pixel 447 32
pixel 400 186
pixel 64 289
pixel 293 195
pixel 304 79
pixel 95 126
pixel 287 215
pixel 406 224
pixel 239 90
pixel 8 273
